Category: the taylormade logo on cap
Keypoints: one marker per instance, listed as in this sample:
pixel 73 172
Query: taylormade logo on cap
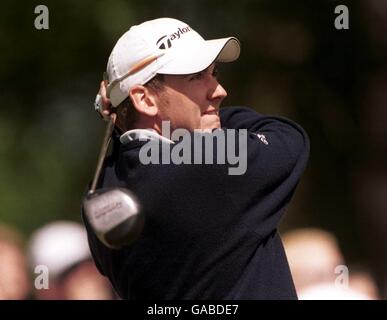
pixel 165 43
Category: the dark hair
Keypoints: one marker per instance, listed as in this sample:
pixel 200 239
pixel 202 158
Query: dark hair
pixel 156 83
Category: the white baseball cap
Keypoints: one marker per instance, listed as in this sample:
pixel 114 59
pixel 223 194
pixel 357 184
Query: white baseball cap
pixel 162 46
pixel 59 246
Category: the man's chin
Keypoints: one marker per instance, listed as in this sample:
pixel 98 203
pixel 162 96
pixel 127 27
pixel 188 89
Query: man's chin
pixel 210 121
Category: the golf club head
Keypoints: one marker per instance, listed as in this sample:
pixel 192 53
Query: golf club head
pixel 115 216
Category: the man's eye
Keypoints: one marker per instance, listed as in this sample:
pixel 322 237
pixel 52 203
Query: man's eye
pixel 215 72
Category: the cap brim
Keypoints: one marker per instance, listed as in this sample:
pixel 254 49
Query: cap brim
pixel 198 58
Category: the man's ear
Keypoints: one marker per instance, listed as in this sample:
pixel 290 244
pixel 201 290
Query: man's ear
pixel 144 100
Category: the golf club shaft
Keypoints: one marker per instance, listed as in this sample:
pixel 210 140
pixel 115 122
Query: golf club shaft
pixel 102 154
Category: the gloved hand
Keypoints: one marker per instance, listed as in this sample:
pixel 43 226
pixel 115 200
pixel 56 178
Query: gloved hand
pixel 102 103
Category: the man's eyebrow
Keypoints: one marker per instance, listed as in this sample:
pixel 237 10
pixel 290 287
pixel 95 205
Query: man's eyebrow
pixel 204 70
pixel 192 74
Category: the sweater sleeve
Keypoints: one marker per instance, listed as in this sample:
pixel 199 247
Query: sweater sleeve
pixel 277 153
pixel 275 142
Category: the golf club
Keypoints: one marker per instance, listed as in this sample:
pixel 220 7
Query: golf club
pixel 113 213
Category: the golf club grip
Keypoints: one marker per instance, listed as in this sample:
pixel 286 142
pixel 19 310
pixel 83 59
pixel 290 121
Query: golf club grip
pixel 102 154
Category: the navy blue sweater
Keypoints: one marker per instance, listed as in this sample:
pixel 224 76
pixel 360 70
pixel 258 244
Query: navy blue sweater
pixel 209 234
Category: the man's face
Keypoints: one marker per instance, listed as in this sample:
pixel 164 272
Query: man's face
pixel 192 101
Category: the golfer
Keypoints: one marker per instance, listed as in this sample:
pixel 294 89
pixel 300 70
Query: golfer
pixel 208 234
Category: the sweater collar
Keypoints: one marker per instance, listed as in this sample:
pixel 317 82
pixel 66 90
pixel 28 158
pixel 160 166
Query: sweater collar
pixel 142 135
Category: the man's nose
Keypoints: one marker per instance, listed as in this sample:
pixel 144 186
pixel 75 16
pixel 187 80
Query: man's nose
pixel 218 92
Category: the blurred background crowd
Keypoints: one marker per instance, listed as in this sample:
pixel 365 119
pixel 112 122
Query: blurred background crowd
pixel 294 63
pixel 55 263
